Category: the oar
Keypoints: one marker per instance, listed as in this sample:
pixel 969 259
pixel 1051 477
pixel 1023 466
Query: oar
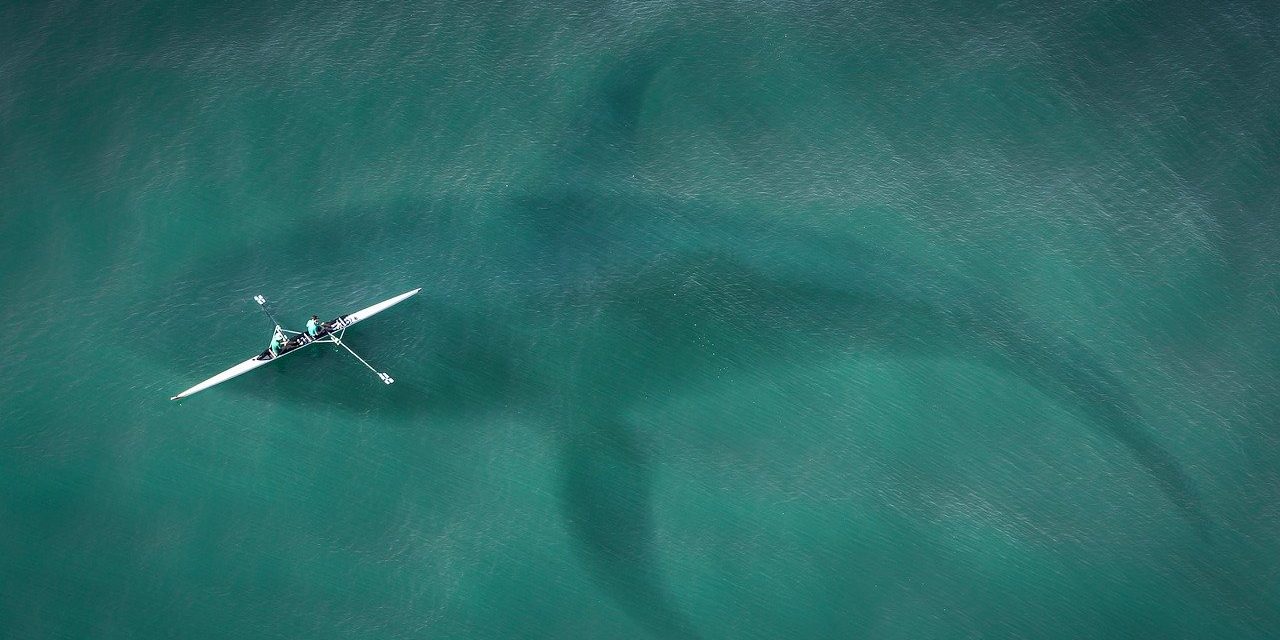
pixel 386 379
pixel 262 304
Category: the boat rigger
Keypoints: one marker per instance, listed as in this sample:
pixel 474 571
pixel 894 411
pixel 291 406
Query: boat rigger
pixel 331 331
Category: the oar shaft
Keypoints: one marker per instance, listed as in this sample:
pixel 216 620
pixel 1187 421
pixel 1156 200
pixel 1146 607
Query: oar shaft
pixel 386 379
pixel 362 361
pixel 262 304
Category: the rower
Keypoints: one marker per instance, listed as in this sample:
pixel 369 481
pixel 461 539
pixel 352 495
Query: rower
pixel 313 326
pixel 277 341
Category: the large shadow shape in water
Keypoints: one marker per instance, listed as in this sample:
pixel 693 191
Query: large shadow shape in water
pixel 879 315
pixel 872 303
pixel 677 305
pixel 606 482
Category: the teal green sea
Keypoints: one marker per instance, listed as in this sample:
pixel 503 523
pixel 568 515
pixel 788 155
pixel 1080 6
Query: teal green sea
pixel 862 319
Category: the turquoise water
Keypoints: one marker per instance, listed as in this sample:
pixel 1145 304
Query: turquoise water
pixel 800 320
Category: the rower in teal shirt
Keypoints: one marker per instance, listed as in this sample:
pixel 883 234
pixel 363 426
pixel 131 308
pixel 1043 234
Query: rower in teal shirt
pixel 313 326
pixel 277 340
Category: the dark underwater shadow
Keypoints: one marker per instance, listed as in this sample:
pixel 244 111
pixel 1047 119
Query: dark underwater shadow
pixel 577 280
pixel 884 316
pixel 606 468
pixel 474 360
pixel 680 305
pixel 606 484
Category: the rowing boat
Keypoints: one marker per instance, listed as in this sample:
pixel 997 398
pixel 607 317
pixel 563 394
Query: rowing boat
pixel 331 331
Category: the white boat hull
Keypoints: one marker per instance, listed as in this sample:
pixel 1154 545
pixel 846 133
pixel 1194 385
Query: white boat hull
pixel 240 369
pixel 339 324
pixel 367 312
